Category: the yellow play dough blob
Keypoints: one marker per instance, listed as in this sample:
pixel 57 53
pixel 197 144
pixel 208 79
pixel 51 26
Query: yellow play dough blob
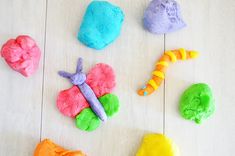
pixel 157 145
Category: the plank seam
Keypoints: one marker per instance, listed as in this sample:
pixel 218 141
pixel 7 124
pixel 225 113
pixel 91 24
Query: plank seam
pixel 43 73
pixel 164 94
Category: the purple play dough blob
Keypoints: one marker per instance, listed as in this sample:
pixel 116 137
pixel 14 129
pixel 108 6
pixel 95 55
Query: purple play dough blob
pixel 163 16
pixel 79 79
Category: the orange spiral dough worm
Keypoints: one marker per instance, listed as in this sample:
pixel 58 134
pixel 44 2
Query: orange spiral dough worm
pixel 158 74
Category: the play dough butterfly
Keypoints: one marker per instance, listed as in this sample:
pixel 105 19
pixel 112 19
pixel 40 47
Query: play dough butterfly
pixel 89 100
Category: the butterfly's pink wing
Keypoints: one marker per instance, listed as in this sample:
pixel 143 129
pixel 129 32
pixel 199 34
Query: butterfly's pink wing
pixel 101 79
pixel 71 102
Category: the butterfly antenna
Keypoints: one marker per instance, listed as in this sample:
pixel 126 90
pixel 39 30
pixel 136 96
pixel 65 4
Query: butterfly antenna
pixel 79 65
pixel 64 74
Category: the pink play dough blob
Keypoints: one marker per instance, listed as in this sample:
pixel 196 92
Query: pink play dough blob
pixel 101 79
pixel 21 54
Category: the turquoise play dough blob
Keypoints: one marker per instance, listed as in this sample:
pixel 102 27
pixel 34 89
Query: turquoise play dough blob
pixel 101 24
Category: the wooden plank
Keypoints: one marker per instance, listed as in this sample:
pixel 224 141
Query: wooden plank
pixel 132 56
pixel 20 98
pixel 211 31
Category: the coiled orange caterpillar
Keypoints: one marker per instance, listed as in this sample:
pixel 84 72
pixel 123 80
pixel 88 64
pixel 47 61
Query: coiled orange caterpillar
pixel 158 74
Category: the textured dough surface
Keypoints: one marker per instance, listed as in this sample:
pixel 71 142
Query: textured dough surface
pixel 110 103
pixel 101 79
pixel 101 24
pixel 48 148
pixel 163 16
pixel 197 103
pixel 87 120
pixel 22 54
pixel 71 102
pixel 157 145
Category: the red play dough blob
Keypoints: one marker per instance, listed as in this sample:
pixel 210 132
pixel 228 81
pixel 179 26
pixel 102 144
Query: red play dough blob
pixel 101 79
pixel 21 54
pixel 70 102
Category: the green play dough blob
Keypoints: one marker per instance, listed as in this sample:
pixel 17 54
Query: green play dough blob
pixel 197 103
pixel 110 103
pixel 87 120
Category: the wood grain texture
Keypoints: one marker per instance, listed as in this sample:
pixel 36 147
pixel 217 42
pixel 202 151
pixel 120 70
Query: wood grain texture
pixel 20 97
pixel 210 30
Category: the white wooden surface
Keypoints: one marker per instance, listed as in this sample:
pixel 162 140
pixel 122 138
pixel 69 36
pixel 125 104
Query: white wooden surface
pixel 27 105
pixel 20 98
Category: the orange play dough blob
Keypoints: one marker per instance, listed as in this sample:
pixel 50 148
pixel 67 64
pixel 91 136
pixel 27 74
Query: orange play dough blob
pixel 48 148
